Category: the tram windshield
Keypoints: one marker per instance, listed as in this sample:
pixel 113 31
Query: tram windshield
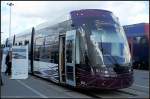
pixel 110 42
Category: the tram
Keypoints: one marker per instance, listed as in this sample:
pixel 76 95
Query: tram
pixel 88 50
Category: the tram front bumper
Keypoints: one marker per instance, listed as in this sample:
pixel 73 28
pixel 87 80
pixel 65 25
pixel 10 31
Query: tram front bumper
pixel 101 82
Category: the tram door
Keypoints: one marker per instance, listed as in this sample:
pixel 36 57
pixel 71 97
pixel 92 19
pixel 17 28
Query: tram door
pixel 62 73
pixel 70 57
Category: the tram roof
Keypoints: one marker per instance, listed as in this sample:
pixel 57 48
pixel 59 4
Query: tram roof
pixel 54 23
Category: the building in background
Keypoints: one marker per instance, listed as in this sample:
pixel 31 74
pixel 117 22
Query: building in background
pixel 139 41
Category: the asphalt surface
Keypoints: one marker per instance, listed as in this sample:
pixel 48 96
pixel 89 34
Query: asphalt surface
pixel 34 87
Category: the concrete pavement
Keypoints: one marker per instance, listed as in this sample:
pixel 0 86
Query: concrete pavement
pixel 34 87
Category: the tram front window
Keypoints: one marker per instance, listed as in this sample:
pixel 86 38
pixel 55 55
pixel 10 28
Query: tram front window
pixel 110 42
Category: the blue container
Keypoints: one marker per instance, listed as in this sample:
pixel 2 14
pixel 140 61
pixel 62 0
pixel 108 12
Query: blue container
pixel 134 30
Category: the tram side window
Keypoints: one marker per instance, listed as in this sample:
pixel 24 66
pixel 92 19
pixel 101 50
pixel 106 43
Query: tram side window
pixel 51 53
pixel 38 48
pixel 51 49
pixel 26 42
pixel 39 41
pixel 46 53
pixel 20 43
pixel 69 47
pixel 36 53
pixel 54 57
pixel 42 54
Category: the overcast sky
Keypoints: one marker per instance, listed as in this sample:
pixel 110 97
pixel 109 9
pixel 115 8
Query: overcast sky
pixel 26 14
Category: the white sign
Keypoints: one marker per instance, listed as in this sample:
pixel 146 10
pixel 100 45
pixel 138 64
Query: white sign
pixel 19 62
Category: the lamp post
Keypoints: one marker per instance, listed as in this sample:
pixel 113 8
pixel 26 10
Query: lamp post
pixel 1 58
pixel 10 5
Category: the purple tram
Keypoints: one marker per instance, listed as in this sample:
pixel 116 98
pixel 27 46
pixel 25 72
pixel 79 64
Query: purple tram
pixel 88 50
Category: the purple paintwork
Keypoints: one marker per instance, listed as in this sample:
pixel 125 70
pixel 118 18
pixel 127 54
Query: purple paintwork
pixel 88 12
pixel 101 82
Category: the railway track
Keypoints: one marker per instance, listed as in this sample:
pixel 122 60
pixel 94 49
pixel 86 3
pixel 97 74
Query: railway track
pixel 131 92
pixel 122 93
pixel 108 94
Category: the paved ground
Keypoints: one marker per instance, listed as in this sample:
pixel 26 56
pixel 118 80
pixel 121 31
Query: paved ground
pixel 34 87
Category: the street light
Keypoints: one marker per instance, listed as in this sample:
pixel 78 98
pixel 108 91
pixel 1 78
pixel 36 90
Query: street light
pixel 0 58
pixel 0 47
pixel 10 5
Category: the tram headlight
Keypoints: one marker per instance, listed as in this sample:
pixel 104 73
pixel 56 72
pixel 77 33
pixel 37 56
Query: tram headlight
pixel 130 70
pixel 106 72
